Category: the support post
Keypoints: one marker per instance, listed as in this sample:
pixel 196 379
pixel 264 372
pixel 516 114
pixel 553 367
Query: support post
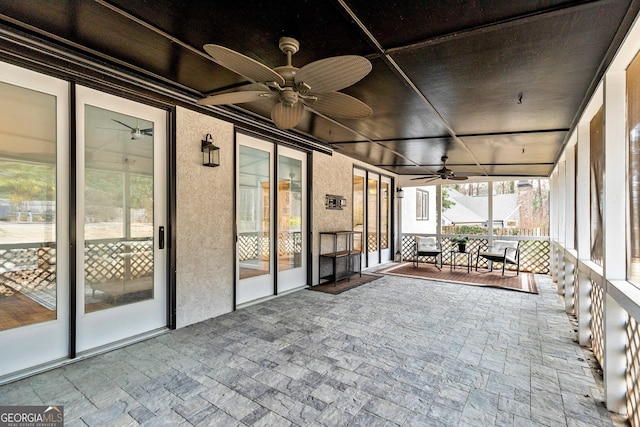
pixel 583 309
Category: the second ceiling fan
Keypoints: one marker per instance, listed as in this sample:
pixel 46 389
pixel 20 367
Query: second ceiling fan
pixel 443 173
pixel 315 85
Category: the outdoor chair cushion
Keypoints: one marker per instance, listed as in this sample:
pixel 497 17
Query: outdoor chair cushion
pixel 427 244
pixel 497 250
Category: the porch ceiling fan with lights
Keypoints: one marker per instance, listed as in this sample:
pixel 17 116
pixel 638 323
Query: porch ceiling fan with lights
pixel 136 132
pixel 444 173
pixel 315 85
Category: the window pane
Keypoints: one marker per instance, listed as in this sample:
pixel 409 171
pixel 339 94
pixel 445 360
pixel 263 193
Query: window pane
pixel 118 211
pixel 384 215
pixel 27 207
pixel 253 230
pixel 358 208
pixel 289 213
pixel 372 215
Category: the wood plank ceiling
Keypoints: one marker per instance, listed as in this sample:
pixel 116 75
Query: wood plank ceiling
pixel 494 85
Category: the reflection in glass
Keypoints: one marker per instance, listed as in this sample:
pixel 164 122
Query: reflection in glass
pixel 372 215
pixel 358 209
pixel 253 213
pixel 289 213
pixel 118 209
pixel 27 207
pixel 384 215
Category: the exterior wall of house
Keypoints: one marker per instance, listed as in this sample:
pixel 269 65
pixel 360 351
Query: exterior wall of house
pixel 333 175
pixel 204 220
pixel 410 224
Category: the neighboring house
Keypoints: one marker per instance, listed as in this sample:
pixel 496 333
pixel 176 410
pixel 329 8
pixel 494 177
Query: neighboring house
pixel 419 210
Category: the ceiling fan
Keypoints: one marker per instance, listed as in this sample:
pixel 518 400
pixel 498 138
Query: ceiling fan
pixel 136 132
pixel 443 173
pixel 315 85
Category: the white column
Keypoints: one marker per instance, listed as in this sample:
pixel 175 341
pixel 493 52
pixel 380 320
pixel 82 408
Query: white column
pixel 553 221
pixel 614 222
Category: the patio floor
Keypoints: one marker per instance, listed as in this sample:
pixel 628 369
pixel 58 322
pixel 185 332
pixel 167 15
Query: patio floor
pixel 396 351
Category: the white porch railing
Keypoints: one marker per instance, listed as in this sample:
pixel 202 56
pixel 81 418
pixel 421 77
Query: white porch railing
pixel 607 315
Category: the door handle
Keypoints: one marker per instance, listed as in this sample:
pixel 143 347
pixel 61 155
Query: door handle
pixel 161 237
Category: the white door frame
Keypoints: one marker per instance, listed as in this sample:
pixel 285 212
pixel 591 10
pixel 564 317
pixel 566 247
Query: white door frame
pixel 113 324
pixel 31 345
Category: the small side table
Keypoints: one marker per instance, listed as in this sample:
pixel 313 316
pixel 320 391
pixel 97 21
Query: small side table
pixel 454 256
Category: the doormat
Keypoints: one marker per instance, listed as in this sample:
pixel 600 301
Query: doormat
pixel 344 284
pixel 524 282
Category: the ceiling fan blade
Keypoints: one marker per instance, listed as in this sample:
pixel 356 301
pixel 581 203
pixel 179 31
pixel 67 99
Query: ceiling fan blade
pixel 424 177
pixel 235 97
pixel 243 65
pixel 337 104
pixel 332 74
pixel 287 117
pixel 458 178
pixel 123 124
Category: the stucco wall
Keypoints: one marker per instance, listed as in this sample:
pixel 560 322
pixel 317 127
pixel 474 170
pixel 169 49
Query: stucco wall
pixel 332 175
pixel 204 220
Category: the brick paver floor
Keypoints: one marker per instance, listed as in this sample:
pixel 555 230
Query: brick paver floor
pixel 395 351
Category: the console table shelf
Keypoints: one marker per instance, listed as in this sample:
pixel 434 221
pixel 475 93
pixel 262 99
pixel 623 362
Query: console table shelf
pixel 338 257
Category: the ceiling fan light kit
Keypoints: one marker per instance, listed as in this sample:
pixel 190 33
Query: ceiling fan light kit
pixel 314 86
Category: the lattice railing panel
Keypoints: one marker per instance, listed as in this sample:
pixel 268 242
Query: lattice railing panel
pixel 102 262
pixel 289 243
pixel 597 324
pixel 117 260
pixel 633 372
pixel 253 246
pixel 534 254
pixel 372 242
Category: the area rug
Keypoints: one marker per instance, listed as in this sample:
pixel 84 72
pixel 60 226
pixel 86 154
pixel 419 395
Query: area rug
pixel 524 282
pixel 344 284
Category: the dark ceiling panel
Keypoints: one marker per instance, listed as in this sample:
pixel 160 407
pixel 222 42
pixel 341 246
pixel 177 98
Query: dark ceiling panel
pixel 476 81
pixel 417 20
pixel 254 28
pixel 374 154
pixel 520 170
pixel 513 74
pixel 529 148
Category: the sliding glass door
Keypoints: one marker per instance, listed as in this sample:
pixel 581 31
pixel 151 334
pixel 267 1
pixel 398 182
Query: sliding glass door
pixel 271 208
pixel 372 215
pixel 121 207
pixel 34 261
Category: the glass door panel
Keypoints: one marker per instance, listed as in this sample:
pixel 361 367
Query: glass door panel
pixel 34 257
pixel 385 218
pixel 359 209
pixel 372 220
pixel 254 195
pixel 291 214
pixel 121 161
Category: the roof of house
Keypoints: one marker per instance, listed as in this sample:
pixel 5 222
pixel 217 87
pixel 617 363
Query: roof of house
pixel 475 209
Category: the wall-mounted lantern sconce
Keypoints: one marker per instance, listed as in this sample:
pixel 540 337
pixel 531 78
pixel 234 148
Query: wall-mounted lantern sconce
pixel 400 193
pixel 210 153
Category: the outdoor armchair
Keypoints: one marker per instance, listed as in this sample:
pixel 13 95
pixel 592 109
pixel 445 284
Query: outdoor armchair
pixel 427 247
pixel 503 251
